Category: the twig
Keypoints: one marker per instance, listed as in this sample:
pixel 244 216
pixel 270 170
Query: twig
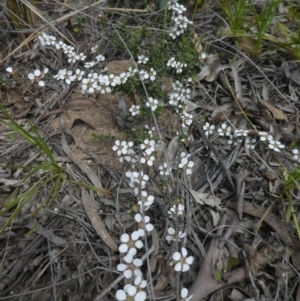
pixel 115 282
pixel 211 146
pixel 250 276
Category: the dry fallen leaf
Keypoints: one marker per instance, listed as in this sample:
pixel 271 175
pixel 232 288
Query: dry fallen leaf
pixel 277 114
pixel 96 220
pixel 206 198
pixel 222 112
pixel 77 121
pixel 197 43
pixel 78 104
pixel 155 243
pixel 210 71
pixel 172 149
pixel 189 105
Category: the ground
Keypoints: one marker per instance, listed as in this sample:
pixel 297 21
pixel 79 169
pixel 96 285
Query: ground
pixel 66 199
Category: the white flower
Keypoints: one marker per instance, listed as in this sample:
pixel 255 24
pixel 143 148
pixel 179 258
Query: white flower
pixel 137 180
pixel 296 155
pixel 72 57
pixel 130 292
pixel 234 140
pixel 87 86
pixel 179 8
pixel 186 118
pixel 146 201
pixel 171 62
pixel 172 4
pixel 174 99
pixel 147 157
pixel 177 86
pixel 239 133
pixel 265 136
pixel 9 69
pixel 179 67
pixel 143 224
pixel 130 267
pixel 203 56
pixel 142 59
pixel 47 39
pixel 164 170
pixel 60 45
pixel 224 130
pixel 176 210
pixel 182 22
pixel 123 77
pixel 135 110
pixel 131 157
pixel 149 132
pixel 93 49
pixel 80 57
pixel 103 88
pixel 208 128
pixel 60 74
pixel 131 71
pixel 37 75
pixel 148 144
pixel 139 283
pixel 78 74
pixel 89 64
pixel 186 165
pixel 69 77
pixel 152 74
pixel 181 262
pixel 276 145
pixel 130 243
pixel 42 38
pixel 68 49
pixel 120 147
pixel 152 103
pixel 51 40
pixel 185 93
pixel 184 295
pixel 250 143
pixel 172 235
pixel 100 58
pixel 144 74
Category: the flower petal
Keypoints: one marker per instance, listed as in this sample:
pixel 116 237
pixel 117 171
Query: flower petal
pixel 128 258
pixel 123 248
pixel 185 267
pixel 176 256
pixel 178 267
pixel 124 237
pixel 139 244
pixel 184 293
pixel 137 262
pixel 127 274
pixel 189 260
pixel 120 295
pixel 121 267
pixel 140 296
pixel 131 290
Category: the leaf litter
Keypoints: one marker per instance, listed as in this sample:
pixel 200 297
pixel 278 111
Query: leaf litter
pixel 252 229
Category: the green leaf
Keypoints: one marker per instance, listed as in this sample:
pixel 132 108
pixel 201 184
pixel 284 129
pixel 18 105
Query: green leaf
pixel 162 4
pixel 218 275
pixel 233 261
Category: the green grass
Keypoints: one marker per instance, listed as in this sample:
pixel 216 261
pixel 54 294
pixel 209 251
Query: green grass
pixel 252 29
pixel 291 184
pixel 48 173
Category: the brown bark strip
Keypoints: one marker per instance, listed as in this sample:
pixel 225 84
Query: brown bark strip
pixel 272 220
pixel 96 220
